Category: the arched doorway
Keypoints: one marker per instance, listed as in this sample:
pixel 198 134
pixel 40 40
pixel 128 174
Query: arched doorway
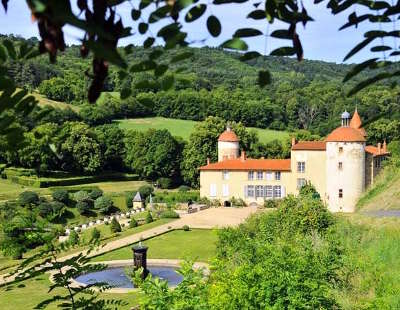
pixel 227 203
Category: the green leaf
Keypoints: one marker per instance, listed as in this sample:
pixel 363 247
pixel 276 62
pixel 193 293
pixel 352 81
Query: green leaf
pixel 135 14
pixel 235 44
pixel 249 56
pixel 284 51
pixel 195 12
pixel 143 84
pixel 247 32
pixel 3 53
pixel 148 42
pixel 358 68
pixel 145 65
pixel 125 93
pixel 281 34
pixel 380 48
pixel 108 54
pixel 264 78
pixel 213 26
pixel 358 48
pixel 367 82
pixel 167 82
pixel 143 27
pixel 10 49
pixel 160 70
pixel 181 56
pixel 257 14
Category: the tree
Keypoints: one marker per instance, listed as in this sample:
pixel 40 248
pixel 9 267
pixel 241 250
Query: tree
pixel 83 207
pixel 111 139
pixel 95 234
pixel 28 198
pixel 61 195
pixel 104 204
pixel 95 193
pixel 145 191
pixel 133 223
pixel 115 226
pixel 149 217
pixel 57 89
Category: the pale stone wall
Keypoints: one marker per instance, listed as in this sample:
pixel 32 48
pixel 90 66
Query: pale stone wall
pixel 236 185
pixel 351 178
pixel 369 170
pixel 227 150
pixel 315 171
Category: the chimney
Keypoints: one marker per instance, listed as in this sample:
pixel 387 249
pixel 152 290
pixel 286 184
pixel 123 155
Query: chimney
pixel 208 161
pixel 384 146
pixel 243 156
pixel 293 141
pixel 379 148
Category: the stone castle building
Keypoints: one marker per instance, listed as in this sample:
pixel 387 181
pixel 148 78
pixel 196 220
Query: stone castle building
pixel 340 168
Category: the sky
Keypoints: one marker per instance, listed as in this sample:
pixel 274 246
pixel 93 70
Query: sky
pixel 321 38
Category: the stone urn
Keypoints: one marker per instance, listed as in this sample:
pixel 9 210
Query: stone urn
pixel 140 258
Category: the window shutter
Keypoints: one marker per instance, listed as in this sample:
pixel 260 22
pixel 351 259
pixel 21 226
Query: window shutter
pixel 245 191
pixel 283 191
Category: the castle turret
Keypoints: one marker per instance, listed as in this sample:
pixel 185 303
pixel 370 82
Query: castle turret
pixel 345 166
pixel 228 145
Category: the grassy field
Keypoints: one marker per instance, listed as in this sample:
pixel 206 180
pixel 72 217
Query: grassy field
pixel 184 128
pixel 196 244
pixel 43 101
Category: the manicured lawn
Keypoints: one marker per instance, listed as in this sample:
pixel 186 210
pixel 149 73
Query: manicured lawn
pixel 9 190
pixel 196 244
pixel 184 128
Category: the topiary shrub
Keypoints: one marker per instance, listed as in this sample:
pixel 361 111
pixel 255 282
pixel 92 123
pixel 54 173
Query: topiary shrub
pixel 45 209
pixel 83 207
pixel 104 204
pixel 184 188
pixel 73 238
pixel 58 211
pixel 149 217
pixel 164 183
pixel 82 196
pixel 133 223
pixel 145 191
pixel 96 193
pixel 185 228
pixel 95 234
pixel 115 226
pixel 28 198
pixel 60 195
pixel 129 199
pixel 169 214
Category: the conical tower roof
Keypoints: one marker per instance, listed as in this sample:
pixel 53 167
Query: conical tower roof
pixel 137 197
pixel 356 123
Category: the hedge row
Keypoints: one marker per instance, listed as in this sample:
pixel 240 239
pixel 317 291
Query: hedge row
pixel 48 182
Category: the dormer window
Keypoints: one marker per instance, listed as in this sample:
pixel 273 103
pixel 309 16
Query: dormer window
pixel 340 165
pixel 340 149
pixel 260 175
pixel 251 175
pixel 225 175
pixel 340 193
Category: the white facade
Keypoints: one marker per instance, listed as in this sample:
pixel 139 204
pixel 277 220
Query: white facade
pixel 227 150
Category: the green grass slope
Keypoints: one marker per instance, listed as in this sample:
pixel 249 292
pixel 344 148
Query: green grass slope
pixel 43 101
pixel 385 193
pixel 183 128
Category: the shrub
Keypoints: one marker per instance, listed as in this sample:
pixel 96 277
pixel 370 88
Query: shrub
pixel 45 209
pixel 145 191
pixel 73 238
pixel 164 183
pixel 83 207
pixel 169 214
pixel 96 193
pixel 184 188
pixel 309 190
pixel 58 210
pixel 185 228
pixel 149 218
pixel 61 195
pixel 82 196
pixel 95 234
pixel 115 226
pixel 272 203
pixel 28 198
pixel 129 199
pixel 133 223
pixel 239 202
pixel 104 204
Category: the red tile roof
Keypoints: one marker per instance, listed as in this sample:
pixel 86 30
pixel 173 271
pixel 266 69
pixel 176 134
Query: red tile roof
pixel 228 136
pixel 374 151
pixel 250 164
pixel 355 120
pixel 345 134
pixel 309 146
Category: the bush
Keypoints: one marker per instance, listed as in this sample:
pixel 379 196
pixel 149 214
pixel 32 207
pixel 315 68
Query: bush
pixel 104 204
pixel 58 210
pixel 45 209
pixel 149 218
pixel 95 234
pixel 176 197
pixel 239 202
pixel 73 238
pixel 185 228
pixel 184 188
pixel 96 193
pixel 129 199
pixel 133 223
pixel 115 226
pixel 145 191
pixel 169 214
pixel 28 198
pixel 309 190
pixel 164 183
pixel 82 196
pixel 61 195
pixel 272 203
pixel 83 207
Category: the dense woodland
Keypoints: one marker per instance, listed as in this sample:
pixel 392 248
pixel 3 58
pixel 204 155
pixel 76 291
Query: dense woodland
pixel 303 97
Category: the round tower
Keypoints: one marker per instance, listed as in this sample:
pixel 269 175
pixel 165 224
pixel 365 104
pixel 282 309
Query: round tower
pixel 228 145
pixel 345 166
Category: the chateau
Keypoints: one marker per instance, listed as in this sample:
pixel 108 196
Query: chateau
pixel 340 168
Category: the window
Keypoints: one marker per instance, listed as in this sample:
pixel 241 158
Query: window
pixel 225 175
pixel 277 191
pixel 268 191
pixel 278 175
pixel 300 183
pixel 340 193
pixel 213 190
pixel 260 175
pixel 250 191
pixel 268 175
pixel 251 175
pixel 340 166
pixel 259 191
pixel 301 166
pixel 340 149
pixel 377 162
pixel 225 190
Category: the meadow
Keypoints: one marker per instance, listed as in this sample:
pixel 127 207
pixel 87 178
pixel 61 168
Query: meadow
pixel 183 128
